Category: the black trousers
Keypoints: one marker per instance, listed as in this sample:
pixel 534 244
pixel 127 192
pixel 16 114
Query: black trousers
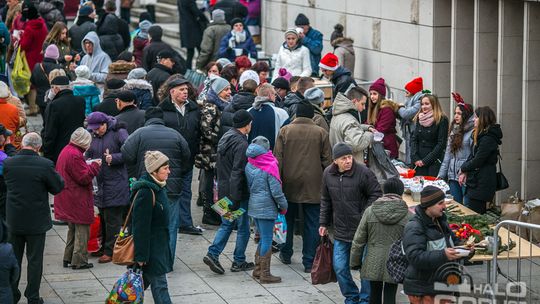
pixel 35 245
pixel 380 290
pixel 112 219
pixel 190 55
pixel 125 14
pixel 477 206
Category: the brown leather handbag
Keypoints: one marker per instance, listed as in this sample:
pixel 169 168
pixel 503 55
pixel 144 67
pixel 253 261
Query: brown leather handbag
pixel 124 247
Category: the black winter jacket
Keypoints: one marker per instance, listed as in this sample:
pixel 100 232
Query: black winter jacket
pixel 231 163
pixel 77 33
pixel 189 124
pixel 151 51
pixel 345 196
pixel 157 76
pixel 242 100
pixel 424 242
pixel 132 116
pixel 428 145
pixel 110 39
pixel 291 103
pixel 481 167
pixel 156 136
pixel 342 80
pixel 107 106
pixel 40 78
pixel 28 212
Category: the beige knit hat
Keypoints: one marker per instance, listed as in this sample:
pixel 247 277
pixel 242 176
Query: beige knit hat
pixel 81 138
pixel 153 160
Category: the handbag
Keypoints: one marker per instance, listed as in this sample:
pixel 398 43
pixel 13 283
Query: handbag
pixel 20 76
pixel 502 182
pixel 280 229
pixel 128 289
pixel 124 247
pixel 397 262
pixel 322 271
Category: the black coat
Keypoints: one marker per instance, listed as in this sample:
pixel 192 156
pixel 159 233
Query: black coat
pixel 345 196
pixel 231 163
pixel 342 80
pixel 242 100
pixel 156 136
pixel 428 145
pixel 188 125
pixel 107 106
pixel 108 30
pixel 421 237
pixel 77 33
pixel 192 23
pixel 291 102
pixel 40 78
pixel 157 76
pixel 481 166
pixel 133 117
pixel 28 212
pixel 151 51
pixel 233 9
pixel 65 113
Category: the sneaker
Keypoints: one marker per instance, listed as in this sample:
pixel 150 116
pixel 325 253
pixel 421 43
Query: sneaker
pixel 284 260
pixel 214 264
pixel 190 230
pixel 244 266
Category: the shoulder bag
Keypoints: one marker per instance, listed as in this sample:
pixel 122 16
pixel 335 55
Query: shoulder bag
pixel 502 182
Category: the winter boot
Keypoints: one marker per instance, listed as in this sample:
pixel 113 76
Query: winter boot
pixel 266 277
pixel 257 271
pixel 210 217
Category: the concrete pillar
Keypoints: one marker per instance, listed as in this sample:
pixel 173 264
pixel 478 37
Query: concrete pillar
pixel 530 164
pixel 462 50
pixel 485 53
pixel 509 79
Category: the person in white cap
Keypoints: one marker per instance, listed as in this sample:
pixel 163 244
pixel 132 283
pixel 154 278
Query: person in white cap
pixel 293 56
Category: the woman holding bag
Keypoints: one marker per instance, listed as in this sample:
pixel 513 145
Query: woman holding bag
pixel 266 199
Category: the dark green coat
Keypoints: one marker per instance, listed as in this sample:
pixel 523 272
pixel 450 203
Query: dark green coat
pixel 150 227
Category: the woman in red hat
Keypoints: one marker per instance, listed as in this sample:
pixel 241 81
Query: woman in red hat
pixel 382 116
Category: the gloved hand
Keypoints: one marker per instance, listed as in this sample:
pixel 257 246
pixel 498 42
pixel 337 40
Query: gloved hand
pixel 283 211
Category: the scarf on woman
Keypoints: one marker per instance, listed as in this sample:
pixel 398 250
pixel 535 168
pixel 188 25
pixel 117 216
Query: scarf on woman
pixel 161 184
pixel 426 119
pixel 266 162
pixel 239 37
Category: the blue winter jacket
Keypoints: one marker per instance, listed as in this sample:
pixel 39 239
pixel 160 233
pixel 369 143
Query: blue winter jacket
pixel 248 46
pixel 265 193
pixel 313 41
pixel 91 95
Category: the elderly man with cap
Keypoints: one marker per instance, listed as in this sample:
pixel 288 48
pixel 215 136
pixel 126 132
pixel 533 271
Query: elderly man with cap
pixel 303 151
pixel 112 196
pixel 315 97
pixel 156 136
pixel 211 39
pixel 64 114
pixel 348 188
pixel 184 116
pixel 28 214
pixel 161 71
pixel 232 183
pixel 129 113
pixel 428 242
pixel 312 39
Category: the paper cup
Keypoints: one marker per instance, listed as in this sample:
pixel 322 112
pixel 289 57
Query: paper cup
pixel 238 52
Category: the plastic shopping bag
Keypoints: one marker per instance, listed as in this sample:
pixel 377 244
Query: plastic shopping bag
pixel 322 271
pixel 280 229
pixel 20 76
pixel 128 289
pixel 95 234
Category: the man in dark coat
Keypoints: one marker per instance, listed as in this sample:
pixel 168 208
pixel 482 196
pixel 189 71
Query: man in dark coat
pixel 232 184
pixel 184 116
pixel 113 32
pixel 156 136
pixel 27 212
pixel 192 24
pixel 108 106
pixel 161 72
pixel 348 188
pixel 64 114
pixel 294 98
pixel 129 113
pixel 233 9
pixel 152 50
pixel 84 25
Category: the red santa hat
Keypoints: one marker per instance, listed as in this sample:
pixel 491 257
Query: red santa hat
pixel 416 85
pixel 329 62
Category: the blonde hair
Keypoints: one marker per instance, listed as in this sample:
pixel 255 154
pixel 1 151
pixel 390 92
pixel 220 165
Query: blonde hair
pixel 56 32
pixel 55 73
pixel 438 113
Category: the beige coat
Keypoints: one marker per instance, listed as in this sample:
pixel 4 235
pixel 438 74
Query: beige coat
pixel 303 152
pixel 344 50
pixel 344 127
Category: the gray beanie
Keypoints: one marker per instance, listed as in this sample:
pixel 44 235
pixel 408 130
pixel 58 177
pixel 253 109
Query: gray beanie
pixel 81 138
pixel 314 95
pixel 218 15
pixel 138 73
pixel 219 84
pixel 153 160
pixel 341 149
pixel 83 71
pixel 224 62
pixel 261 141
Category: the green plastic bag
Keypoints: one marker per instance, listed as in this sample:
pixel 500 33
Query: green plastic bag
pixel 20 76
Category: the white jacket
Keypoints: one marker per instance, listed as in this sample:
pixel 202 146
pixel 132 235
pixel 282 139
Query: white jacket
pixel 297 61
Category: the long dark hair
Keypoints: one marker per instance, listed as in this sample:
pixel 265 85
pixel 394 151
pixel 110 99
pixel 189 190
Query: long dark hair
pixel 457 132
pixel 486 119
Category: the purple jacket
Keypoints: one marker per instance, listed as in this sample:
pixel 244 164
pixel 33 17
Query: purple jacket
pixel 113 184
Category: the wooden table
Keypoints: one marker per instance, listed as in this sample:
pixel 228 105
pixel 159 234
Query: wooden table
pixel 523 249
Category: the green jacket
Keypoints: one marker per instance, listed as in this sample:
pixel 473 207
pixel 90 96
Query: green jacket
pixel 381 225
pixel 150 227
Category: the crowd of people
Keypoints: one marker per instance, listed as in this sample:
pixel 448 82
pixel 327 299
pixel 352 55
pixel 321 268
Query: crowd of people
pixel 128 128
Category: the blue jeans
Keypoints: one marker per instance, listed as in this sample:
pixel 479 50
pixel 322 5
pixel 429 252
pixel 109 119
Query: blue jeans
pixel 158 285
pixel 184 201
pixel 266 232
pixel 173 224
pixel 224 232
pixel 342 253
pixel 457 191
pixel 310 236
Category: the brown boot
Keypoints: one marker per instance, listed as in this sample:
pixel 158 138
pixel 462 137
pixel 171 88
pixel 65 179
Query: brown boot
pixel 266 277
pixel 257 271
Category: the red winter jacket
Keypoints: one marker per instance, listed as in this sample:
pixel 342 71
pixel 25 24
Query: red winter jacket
pixel 386 124
pixel 35 32
pixel 75 204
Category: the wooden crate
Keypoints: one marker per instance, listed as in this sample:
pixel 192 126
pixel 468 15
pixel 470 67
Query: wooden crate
pixel 327 87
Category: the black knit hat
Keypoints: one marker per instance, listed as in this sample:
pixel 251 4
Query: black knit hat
pixel 126 96
pixel 281 83
pixel 236 20
pixel 60 81
pixel 115 84
pixel 301 19
pixel 153 112
pixel 341 149
pixel 430 196
pixel 393 185
pixel 241 118
pixel 304 109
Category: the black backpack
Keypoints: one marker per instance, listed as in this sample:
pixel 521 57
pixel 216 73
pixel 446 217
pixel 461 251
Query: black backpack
pixel 397 262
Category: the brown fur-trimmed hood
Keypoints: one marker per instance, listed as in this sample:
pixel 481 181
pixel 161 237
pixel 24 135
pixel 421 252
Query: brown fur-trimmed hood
pixel 121 67
pixel 343 42
pixel 389 103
